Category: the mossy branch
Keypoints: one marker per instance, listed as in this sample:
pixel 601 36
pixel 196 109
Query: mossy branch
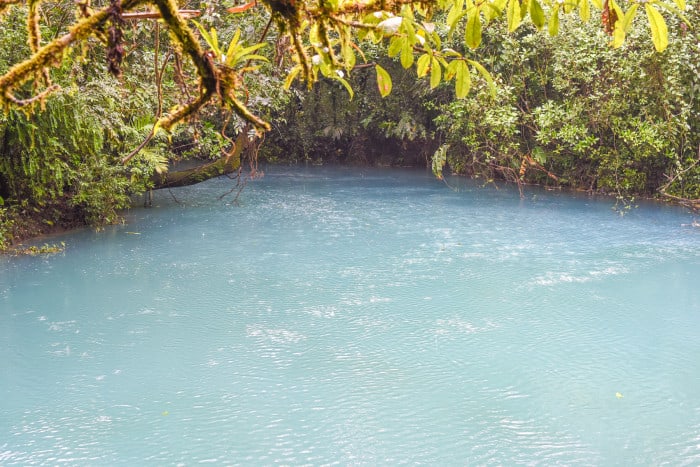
pixel 50 55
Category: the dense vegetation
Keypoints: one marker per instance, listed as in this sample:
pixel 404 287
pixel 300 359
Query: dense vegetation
pixel 567 110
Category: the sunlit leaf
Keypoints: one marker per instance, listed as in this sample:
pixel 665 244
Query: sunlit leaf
pixel 293 73
pixel 486 75
pixel 659 31
pixel 629 16
pixel 407 55
pixel 422 65
pixel 383 81
pixel 435 73
pixel 584 10
pixel 513 15
pixel 473 30
pixel 537 14
pixel 455 13
pixel 346 85
pixel 553 26
pixel 395 45
pixel 463 79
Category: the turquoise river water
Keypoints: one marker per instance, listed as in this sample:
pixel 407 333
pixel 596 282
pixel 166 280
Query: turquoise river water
pixel 357 317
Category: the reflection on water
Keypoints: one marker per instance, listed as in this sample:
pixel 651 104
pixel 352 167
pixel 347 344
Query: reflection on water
pixel 357 317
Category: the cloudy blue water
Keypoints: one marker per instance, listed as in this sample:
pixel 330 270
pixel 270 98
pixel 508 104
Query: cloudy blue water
pixel 376 317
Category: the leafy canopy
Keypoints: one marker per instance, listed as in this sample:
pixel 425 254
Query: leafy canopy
pixel 325 37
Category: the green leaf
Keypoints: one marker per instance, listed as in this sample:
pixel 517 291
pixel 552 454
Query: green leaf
pixel 435 73
pixel 680 4
pixel 524 8
pixel 245 53
pixel 455 13
pixel 383 81
pixel 395 45
pixel 347 86
pixel 629 16
pixel 584 10
pixel 537 14
pixel 423 65
pixel 215 42
pixel 513 15
pixel 493 9
pixel 348 55
pixel 205 35
pixel 233 44
pixel 675 11
pixel 451 69
pixel 463 79
pixel 618 35
pixel 659 31
pixel 553 26
pixel 293 73
pixel 486 75
pixel 406 55
pixel 473 30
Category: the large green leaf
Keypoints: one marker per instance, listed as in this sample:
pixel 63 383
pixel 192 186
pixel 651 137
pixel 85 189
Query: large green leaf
pixel 423 65
pixel 513 14
pixel 435 73
pixel 463 79
pixel 659 31
pixel 584 10
pixel 553 26
pixel 629 16
pixel 486 75
pixel 472 36
pixel 537 14
pixel 383 81
pixel 407 55
pixel 395 45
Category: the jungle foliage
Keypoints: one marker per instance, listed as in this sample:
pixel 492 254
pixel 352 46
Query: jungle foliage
pixel 95 94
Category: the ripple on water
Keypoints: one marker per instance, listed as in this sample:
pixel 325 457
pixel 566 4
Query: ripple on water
pixel 337 317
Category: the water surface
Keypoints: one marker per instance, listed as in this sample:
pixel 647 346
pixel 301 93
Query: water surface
pixel 377 317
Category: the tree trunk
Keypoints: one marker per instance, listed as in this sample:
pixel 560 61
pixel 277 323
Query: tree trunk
pixel 225 165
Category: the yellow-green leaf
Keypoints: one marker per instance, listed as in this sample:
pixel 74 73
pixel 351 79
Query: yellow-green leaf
pixel 406 55
pixel 435 73
pixel 659 31
pixel 486 75
pixel 422 65
pixel 524 8
pixel 348 55
pixel 395 45
pixel 346 85
pixel 455 13
pixel 493 9
pixel 463 79
pixel 473 30
pixel 451 69
pixel 598 4
pixel 513 15
pixel 554 23
pixel 383 81
pixel 629 16
pixel 537 13
pixel 618 35
pixel 584 10
pixel 293 73
pixel 680 4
